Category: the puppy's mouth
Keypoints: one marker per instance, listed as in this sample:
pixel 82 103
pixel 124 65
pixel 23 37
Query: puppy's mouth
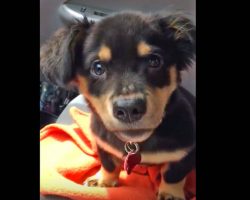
pixel 134 135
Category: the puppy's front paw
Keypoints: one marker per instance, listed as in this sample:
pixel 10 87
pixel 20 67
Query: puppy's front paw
pixel 103 179
pixel 100 182
pixel 171 191
pixel 167 196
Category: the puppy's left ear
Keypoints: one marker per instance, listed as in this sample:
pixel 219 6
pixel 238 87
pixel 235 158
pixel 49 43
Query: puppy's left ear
pixel 62 54
pixel 182 33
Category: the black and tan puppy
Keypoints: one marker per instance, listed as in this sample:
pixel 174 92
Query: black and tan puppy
pixel 128 68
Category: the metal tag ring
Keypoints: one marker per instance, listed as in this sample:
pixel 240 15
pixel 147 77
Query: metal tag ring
pixel 131 147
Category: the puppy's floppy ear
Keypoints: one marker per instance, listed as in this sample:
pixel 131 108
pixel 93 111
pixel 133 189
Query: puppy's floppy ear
pixel 182 32
pixel 62 54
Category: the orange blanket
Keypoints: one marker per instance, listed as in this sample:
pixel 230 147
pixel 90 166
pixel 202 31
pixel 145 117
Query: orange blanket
pixel 68 156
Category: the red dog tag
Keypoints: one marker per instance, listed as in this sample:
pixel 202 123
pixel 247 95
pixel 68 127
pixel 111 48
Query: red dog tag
pixel 133 158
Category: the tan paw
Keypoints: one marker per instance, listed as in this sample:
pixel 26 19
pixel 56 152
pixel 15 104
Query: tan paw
pixel 167 196
pixel 94 182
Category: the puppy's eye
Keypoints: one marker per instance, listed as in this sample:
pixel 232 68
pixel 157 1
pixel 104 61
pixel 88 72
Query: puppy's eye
pixel 154 61
pixel 97 68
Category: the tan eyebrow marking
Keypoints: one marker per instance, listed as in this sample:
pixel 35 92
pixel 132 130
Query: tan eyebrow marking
pixel 105 53
pixel 143 48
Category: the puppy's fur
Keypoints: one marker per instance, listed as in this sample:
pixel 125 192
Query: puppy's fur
pixel 130 56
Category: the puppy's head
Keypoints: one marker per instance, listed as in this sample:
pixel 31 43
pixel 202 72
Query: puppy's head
pixel 127 66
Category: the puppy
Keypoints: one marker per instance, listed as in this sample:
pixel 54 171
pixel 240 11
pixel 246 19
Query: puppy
pixel 128 67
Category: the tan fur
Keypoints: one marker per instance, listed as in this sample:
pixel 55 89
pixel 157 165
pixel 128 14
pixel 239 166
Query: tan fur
pixel 130 96
pixel 157 99
pixel 143 48
pixel 104 178
pixel 180 29
pixel 165 189
pixel 108 147
pixel 100 104
pixel 149 158
pixel 161 157
pixel 104 53
pixel 128 89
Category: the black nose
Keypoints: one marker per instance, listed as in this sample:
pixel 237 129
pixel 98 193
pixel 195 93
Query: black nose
pixel 129 110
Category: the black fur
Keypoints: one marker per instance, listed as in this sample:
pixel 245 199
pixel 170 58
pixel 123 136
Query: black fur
pixel 179 170
pixel 116 33
pixel 176 131
pixel 62 54
pixel 106 160
pixel 72 50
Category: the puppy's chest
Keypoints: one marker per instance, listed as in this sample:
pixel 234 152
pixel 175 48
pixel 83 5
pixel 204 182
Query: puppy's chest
pixel 154 156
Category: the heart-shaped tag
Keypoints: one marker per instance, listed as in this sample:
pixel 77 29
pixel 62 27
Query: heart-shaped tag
pixel 133 156
pixel 131 160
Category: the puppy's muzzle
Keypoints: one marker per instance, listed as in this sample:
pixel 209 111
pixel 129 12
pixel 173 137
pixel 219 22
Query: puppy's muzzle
pixel 129 110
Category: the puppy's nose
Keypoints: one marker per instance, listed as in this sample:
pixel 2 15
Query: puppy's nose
pixel 129 110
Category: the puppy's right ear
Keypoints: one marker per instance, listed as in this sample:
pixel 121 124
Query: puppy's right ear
pixel 61 55
pixel 182 32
